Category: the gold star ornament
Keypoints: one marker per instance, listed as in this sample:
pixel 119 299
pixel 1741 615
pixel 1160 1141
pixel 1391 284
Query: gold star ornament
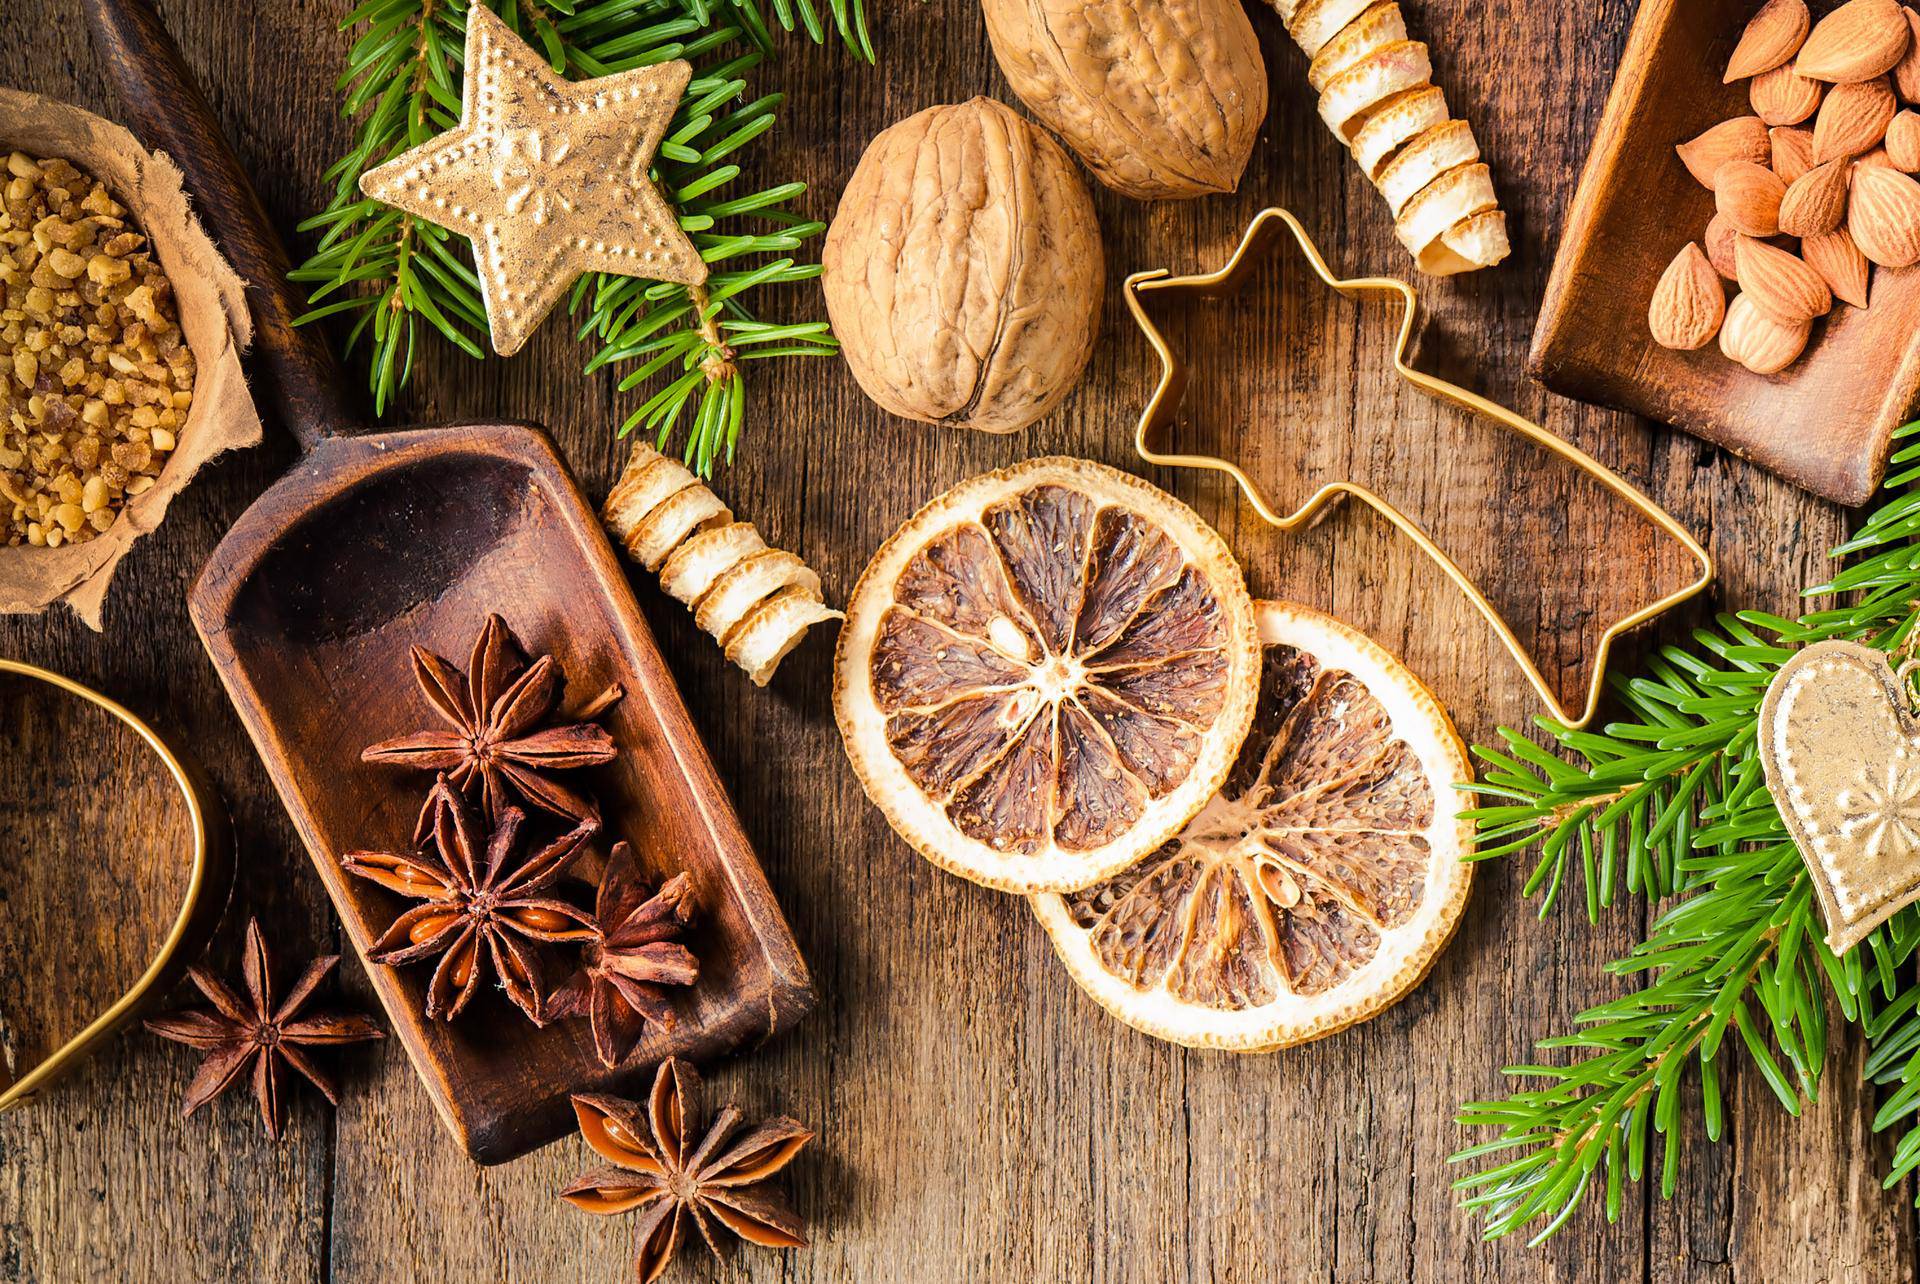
pixel 547 177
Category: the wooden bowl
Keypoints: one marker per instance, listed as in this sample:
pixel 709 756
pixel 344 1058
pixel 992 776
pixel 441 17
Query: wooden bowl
pixel 1824 422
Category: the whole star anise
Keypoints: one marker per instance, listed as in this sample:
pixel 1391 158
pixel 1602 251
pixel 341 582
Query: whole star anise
pixel 621 985
pixel 257 1031
pixel 497 746
pixel 482 906
pixel 671 1170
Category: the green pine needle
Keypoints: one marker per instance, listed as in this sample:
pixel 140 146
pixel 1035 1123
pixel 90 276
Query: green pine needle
pixel 399 279
pixel 1670 805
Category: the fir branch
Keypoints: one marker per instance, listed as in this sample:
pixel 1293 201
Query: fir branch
pixel 1670 805
pixel 400 279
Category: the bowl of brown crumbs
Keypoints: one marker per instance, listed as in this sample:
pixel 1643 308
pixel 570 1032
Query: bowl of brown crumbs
pixel 120 333
pixel 98 374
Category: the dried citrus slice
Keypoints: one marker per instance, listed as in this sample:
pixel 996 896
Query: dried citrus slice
pixel 1045 672
pixel 1317 887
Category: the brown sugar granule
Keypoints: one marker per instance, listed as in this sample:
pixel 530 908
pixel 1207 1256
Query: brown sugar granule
pixel 95 375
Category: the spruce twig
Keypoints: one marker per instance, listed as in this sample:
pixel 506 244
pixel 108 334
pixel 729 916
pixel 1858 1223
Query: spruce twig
pixel 400 279
pixel 1669 804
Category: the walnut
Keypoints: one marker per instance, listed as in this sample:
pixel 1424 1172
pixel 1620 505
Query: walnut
pixel 1162 98
pixel 963 271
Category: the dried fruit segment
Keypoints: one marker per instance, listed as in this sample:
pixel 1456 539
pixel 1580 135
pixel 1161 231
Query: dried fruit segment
pixel 1316 888
pixel 1377 96
pixel 1045 673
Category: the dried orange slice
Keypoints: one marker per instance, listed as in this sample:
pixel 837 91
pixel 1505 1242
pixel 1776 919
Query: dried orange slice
pixel 1317 887
pixel 1045 672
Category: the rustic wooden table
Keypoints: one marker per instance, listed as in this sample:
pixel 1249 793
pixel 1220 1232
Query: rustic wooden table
pixel 980 1118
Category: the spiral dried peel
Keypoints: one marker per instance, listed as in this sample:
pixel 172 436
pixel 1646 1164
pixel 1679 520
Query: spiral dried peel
pixel 1377 96
pixel 757 602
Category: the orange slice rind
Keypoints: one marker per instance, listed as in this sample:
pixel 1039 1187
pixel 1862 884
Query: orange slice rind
pixel 1045 672
pixel 1317 888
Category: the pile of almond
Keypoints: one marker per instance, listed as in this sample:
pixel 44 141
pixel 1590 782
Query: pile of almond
pixel 1810 192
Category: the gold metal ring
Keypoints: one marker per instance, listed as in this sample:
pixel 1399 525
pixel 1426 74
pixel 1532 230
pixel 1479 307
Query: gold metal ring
pixel 208 880
pixel 1173 379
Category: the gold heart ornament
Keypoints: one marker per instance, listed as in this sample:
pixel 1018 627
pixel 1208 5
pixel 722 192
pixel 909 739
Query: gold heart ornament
pixel 210 875
pixel 1841 746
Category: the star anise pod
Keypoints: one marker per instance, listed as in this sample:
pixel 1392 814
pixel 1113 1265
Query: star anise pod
pixel 497 746
pixel 621 985
pixel 482 907
pixel 674 1172
pixel 256 1031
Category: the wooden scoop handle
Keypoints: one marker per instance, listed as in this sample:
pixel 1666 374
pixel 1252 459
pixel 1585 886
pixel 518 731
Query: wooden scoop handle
pixel 293 368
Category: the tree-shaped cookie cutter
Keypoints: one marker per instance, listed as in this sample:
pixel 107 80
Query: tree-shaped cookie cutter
pixel 1267 228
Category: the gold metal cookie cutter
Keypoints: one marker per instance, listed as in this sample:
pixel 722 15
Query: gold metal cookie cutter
pixel 1269 226
pixel 210 875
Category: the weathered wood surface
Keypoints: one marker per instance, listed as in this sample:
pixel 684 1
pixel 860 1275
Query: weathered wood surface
pixel 980 1119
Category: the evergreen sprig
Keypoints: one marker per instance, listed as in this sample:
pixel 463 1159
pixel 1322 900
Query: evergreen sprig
pixel 1670 805
pixel 400 278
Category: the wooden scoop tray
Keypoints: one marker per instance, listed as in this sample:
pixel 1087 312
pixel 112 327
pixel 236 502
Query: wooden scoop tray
pixel 413 537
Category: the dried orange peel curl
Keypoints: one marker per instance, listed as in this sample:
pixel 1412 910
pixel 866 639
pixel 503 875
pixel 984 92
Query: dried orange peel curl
pixel 756 602
pixel 1378 97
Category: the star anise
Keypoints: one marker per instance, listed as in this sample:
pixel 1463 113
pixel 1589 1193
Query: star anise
pixel 675 1173
pixel 497 746
pixel 254 1030
pixel 621 985
pixel 482 907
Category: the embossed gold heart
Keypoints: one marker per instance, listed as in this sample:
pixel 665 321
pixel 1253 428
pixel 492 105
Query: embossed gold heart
pixel 1841 745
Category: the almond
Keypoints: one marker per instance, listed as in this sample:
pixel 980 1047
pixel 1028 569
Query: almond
pixel 1780 284
pixel 1792 152
pixel 1742 138
pixel 1771 39
pixel 1878 156
pixel 1784 97
pixel 1816 202
pixel 1906 73
pixel 1853 119
pixel 1721 238
pixel 1883 214
pixel 1749 196
pixel 1688 304
pixel 1757 341
pixel 1903 142
pixel 1858 41
pixel 1840 264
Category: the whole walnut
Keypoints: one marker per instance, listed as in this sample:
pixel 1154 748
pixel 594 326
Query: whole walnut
pixel 1162 98
pixel 963 271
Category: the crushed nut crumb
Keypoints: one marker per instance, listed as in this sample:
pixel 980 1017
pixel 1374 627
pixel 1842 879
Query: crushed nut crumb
pixel 96 373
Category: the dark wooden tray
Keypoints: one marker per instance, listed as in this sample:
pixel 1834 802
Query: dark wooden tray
pixel 1824 423
pixel 317 664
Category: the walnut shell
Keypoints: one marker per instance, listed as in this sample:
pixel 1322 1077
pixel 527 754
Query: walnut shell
pixel 963 271
pixel 1161 98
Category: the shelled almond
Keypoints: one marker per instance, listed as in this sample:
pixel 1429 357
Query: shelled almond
pixel 1811 192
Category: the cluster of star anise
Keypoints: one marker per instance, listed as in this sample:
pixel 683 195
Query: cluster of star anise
pixel 496 835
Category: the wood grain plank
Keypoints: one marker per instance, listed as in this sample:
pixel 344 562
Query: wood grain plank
pixel 981 1119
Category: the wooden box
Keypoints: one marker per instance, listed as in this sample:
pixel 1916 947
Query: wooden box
pixel 1824 422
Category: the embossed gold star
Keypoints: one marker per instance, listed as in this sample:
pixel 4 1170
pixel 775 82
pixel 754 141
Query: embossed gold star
pixel 547 177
